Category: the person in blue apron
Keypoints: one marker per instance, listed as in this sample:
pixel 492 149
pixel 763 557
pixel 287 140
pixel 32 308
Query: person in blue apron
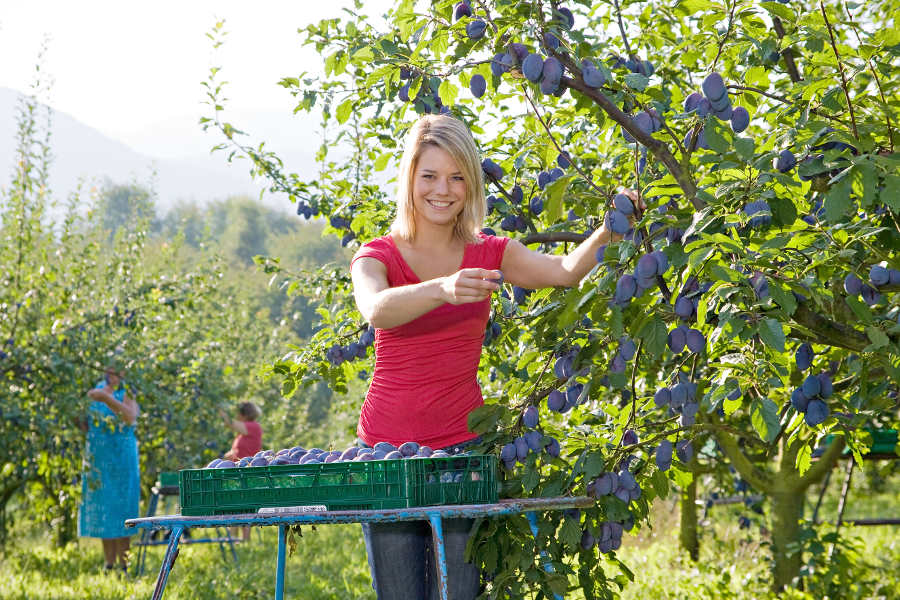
pixel 110 486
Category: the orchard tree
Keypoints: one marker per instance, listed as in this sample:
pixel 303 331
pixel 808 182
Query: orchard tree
pixel 75 298
pixel 749 312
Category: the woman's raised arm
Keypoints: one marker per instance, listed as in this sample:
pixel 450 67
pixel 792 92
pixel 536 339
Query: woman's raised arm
pixel 534 270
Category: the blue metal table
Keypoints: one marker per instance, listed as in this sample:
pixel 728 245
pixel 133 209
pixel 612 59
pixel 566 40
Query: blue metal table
pixel 432 514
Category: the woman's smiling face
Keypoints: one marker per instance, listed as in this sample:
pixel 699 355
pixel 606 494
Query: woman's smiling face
pixel 439 188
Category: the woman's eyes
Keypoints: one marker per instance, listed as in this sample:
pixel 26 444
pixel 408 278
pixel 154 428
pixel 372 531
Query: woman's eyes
pixel 455 177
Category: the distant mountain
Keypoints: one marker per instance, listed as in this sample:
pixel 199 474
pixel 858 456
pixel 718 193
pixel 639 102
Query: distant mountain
pixel 187 172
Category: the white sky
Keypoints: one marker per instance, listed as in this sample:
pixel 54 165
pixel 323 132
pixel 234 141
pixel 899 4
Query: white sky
pixel 122 66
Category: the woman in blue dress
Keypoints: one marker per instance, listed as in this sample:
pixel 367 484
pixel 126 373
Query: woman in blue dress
pixel 110 488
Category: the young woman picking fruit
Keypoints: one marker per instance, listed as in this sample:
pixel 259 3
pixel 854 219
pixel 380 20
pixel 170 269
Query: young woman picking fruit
pixel 426 287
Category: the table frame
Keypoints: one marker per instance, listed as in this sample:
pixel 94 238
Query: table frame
pixel 433 514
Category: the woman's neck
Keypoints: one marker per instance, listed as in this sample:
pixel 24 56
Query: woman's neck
pixel 442 236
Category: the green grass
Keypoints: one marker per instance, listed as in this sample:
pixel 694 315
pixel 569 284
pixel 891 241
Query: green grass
pixel 330 562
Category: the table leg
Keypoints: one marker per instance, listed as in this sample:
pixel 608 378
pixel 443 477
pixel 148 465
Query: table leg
pixel 279 572
pixel 548 566
pixel 168 562
pixel 440 554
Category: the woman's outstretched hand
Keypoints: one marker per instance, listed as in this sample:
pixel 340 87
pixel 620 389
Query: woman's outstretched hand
pixel 470 285
pixel 634 217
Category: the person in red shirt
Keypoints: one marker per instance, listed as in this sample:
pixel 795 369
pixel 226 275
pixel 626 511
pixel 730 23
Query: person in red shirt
pixel 247 443
pixel 425 288
pixel 249 439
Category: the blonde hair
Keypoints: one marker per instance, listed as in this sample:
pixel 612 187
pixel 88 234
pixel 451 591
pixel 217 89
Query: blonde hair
pixel 454 137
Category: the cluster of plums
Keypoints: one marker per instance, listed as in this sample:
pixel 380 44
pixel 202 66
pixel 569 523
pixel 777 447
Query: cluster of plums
pixel 338 222
pixel 622 485
pixel 810 397
pixel 338 354
pixel 759 212
pixel 680 398
pixel 531 441
pixel 610 536
pixel 684 450
pixel 624 353
pixel 631 286
pixel 714 100
pixel 854 286
pixel 300 456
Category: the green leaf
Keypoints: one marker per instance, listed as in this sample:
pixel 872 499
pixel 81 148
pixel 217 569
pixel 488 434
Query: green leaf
pixel 636 81
pixel 745 148
pixel 784 213
pixel 804 459
pixel 838 202
pixel 779 10
pixel 448 92
pixel 878 338
pixel 772 334
pixel 594 464
pixel 344 110
pixel 484 418
pixel 691 7
pixel 530 478
pixel 570 533
pixel 717 136
pixel 654 335
pixel 783 298
pixel 764 417
pixel 660 484
pixel 554 193
pixel 860 309
pixel 382 161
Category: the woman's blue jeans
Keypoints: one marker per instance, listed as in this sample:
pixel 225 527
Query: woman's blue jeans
pixel 401 558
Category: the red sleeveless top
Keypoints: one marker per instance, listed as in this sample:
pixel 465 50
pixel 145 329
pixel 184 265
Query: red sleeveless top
pixel 425 381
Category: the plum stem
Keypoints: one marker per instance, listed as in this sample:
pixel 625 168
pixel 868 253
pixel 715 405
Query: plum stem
pixel 622 30
pixel 724 37
pixel 840 65
pixel 887 114
pixel 784 100
pixel 546 127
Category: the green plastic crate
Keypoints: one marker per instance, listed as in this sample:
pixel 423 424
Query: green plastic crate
pixel 884 441
pixel 376 484
pixel 169 479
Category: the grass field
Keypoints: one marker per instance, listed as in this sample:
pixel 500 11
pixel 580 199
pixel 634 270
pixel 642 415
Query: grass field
pixel 330 562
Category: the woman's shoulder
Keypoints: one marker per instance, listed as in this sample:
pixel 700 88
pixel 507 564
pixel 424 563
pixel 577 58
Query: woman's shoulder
pixel 492 243
pixel 380 248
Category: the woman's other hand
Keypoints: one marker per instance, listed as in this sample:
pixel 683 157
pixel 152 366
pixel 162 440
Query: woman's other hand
pixel 470 285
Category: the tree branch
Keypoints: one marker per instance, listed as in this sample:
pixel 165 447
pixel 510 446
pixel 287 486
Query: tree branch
pixel 658 148
pixel 829 332
pixel 840 69
pixel 758 479
pixel 553 236
pixel 787 54
pixel 784 100
pixel 622 30
pixel 825 463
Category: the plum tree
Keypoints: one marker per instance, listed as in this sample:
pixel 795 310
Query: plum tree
pixel 726 207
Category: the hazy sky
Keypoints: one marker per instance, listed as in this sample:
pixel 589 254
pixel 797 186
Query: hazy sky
pixel 123 67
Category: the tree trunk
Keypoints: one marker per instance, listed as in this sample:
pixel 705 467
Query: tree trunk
pixel 787 510
pixel 688 534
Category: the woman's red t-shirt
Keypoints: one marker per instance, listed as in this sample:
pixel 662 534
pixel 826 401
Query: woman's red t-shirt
pixel 250 444
pixel 425 381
